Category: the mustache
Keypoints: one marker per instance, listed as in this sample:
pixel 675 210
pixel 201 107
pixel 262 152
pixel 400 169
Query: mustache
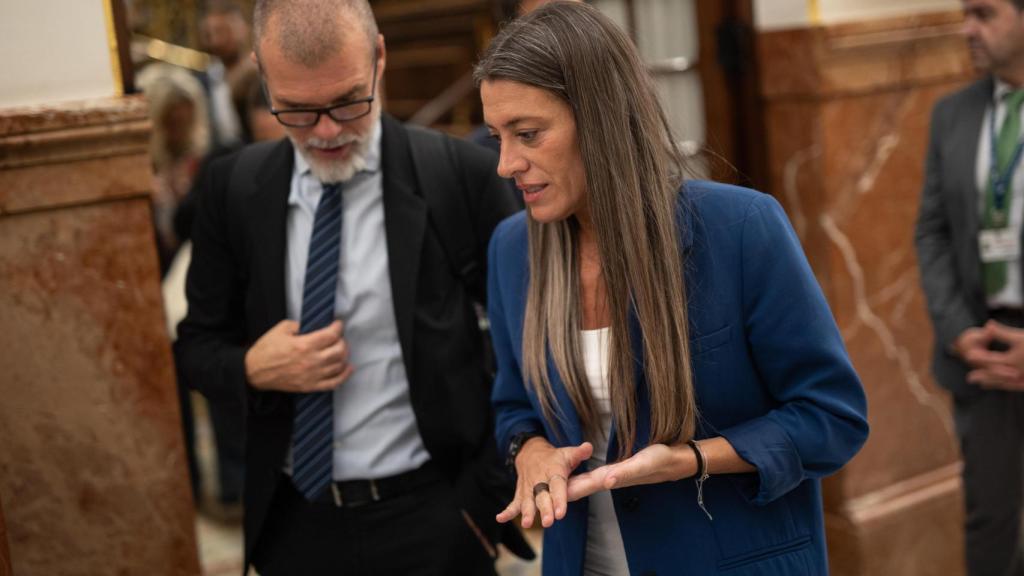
pixel 340 140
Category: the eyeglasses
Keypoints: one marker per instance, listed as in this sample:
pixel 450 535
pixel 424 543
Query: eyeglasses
pixel 344 112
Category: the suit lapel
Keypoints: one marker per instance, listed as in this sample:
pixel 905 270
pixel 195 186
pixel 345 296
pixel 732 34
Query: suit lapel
pixel 268 215
pixel 965 136
pixel 405 222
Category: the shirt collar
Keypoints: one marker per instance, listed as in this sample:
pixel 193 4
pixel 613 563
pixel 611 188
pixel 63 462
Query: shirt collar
pixel 1002 90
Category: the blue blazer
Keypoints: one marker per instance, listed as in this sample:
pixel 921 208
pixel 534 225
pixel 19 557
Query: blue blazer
pixel 772 376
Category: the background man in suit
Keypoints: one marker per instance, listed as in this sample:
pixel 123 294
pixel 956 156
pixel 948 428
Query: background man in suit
pixel 332 287
pixel 969 250
pixel 225 35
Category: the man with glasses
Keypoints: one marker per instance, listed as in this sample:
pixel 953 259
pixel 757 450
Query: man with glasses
pixel 332 288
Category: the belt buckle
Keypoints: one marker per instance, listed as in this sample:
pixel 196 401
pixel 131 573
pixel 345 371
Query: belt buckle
pixel 340 502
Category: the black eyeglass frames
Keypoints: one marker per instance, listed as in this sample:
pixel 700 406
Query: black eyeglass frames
pixel 344 112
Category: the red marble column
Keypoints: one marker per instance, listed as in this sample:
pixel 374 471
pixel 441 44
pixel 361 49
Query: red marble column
pixel 5 552
pixel 92 464
pixel 847 110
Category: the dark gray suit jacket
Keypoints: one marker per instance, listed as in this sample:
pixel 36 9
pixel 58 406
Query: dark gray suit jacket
pixel 946 235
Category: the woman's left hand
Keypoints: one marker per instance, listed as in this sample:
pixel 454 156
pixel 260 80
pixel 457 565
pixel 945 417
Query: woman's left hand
pixel 652 465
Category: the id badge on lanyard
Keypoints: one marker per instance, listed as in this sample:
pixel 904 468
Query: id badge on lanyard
pixel 1000 242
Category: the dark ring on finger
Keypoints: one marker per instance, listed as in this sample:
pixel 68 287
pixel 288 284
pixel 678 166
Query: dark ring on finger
pixel 540 487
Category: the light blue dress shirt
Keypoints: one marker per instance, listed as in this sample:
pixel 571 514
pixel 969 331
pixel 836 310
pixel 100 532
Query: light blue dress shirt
pixel 375 430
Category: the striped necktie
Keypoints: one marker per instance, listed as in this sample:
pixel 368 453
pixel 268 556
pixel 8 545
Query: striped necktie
pixel 313 427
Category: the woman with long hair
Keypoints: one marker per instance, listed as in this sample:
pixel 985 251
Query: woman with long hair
pixel 178 142
pixel 671 383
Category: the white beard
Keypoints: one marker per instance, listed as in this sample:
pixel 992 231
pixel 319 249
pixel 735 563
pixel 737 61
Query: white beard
pixel 340 171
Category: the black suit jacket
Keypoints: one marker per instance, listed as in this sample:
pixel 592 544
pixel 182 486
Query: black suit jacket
pixel 235 290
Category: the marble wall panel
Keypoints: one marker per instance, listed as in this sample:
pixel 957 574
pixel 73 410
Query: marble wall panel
pixel 872 165
pixel 861 57
pixel 915 530
pixel 846 135
pixel 5 551
pixel 79 152
pixel 92 465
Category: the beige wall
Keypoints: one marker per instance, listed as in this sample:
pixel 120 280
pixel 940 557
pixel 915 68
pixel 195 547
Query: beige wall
pixel 54 50
pixel 779 14
pixel 776 14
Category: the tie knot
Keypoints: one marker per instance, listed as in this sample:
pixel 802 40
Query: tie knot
pixel 332 188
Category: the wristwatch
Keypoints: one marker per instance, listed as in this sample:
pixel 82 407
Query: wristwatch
pixel 515 445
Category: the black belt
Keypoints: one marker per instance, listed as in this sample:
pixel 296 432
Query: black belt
pixel 1010 316
pixel 355 493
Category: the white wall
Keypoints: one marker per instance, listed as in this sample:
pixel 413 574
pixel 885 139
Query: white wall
pixel 54 50
pixel 776 14
pixel 847 10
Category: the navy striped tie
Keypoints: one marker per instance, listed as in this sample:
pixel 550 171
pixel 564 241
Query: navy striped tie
pixel 313 428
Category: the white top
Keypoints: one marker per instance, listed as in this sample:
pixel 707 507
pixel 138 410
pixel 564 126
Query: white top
pixel 1011 296
pixel 375 429
pixel 605 555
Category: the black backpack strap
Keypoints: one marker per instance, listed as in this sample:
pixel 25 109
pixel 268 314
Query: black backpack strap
pixel 249 161
pixel 437 165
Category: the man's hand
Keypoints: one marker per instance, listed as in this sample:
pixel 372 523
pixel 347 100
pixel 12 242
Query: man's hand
pixel 1003 370
pixel 282 359
pixel 971 341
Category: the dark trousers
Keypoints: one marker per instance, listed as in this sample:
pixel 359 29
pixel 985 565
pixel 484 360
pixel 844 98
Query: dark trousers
pixel 990 425
pixel 421 533
pixel 228 422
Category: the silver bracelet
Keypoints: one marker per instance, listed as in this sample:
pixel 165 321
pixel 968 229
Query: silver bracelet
pixel 702 474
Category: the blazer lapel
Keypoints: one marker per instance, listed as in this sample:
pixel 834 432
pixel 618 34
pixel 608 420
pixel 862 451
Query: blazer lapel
pixel 568 418
pixel 268 215
pixel 965 136
pixel 405 222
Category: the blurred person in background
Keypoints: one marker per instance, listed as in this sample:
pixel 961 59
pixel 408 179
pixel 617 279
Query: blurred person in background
pixel 968 240
pixel 224 33
pixel 178 142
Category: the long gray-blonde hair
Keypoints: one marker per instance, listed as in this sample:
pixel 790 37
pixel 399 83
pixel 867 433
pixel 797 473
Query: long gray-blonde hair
pixel 633 172
pixel 165 86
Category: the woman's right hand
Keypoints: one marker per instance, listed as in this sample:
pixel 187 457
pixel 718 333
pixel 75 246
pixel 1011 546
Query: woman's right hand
pixel 538 463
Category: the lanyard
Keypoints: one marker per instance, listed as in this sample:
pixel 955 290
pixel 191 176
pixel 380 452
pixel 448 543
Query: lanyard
pixel 1001 182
